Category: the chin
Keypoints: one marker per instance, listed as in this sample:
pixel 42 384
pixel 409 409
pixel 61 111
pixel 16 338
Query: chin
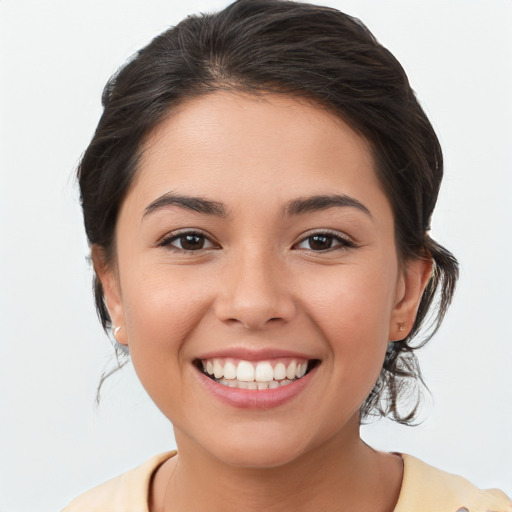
pixel 258 455
pixel 257 445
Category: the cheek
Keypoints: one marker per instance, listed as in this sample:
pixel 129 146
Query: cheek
pixel 162 309
pixel 159 296
pixel 353 303
pixel 352 311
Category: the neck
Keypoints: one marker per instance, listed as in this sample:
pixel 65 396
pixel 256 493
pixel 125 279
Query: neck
pixel 342 474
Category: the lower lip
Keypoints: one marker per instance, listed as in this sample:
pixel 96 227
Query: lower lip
pixel 256 398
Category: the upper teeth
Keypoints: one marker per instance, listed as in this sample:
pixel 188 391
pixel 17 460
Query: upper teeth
pixel 261 371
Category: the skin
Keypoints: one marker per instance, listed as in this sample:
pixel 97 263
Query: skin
pixel 259 283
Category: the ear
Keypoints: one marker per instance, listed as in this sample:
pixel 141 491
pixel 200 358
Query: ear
pixel 411 283
pixel 111 291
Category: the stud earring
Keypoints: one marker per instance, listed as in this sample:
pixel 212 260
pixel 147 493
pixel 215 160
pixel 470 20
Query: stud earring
pixel 401 326
pixel 116 331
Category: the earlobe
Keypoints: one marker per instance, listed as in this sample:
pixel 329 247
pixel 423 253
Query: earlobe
pixel 111 291
pixel 412 283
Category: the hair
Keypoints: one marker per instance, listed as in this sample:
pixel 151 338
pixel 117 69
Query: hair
pixel 311 52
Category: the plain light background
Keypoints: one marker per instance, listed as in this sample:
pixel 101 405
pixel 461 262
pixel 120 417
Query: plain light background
pixel 55 57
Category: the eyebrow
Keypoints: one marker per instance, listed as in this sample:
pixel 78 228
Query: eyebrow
pixel 196 204
pixel 323 202
pixel 294 207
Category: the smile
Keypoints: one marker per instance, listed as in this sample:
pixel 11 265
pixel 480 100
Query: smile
pixel 268 374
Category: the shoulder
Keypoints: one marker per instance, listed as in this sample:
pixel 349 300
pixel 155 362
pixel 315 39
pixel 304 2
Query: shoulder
pixel 125 493
pixel 427 488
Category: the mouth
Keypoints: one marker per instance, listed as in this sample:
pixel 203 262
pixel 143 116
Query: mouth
pixel 255 375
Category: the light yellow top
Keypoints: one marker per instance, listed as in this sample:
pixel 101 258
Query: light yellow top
pixel 424 489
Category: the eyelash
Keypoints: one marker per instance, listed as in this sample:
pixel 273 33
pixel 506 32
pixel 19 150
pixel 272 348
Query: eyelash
pixel 344 243
pixel 167 241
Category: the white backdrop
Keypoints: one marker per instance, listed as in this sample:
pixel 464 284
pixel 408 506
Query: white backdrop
pixel 55 59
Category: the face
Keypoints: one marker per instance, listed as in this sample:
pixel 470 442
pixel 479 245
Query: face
pixel 257 282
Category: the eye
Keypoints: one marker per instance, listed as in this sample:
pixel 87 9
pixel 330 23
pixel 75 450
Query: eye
pixel 324 241
pixel 189 241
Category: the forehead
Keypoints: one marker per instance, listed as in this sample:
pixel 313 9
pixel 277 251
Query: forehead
pixel 228 142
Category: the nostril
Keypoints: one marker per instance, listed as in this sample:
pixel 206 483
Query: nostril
pixel 254 320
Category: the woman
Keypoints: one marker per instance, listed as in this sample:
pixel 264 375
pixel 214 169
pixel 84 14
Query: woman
pixel 258 197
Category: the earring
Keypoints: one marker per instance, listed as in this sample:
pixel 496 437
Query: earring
pixel 401 326
pixel 116 331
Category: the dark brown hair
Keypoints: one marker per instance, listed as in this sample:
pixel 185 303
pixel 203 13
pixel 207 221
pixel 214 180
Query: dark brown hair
pixel 284 47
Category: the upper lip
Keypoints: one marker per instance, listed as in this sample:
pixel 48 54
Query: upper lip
pixel 250 354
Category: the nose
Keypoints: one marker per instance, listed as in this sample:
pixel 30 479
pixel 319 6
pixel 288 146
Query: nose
pixel 255 292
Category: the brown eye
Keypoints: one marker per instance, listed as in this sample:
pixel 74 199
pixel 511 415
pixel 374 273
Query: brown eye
pixel 187 242
pixel 191 242
pixel 325 241
pixel 320 242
